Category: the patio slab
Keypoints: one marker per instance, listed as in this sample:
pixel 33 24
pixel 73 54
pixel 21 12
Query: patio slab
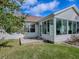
pixel 24 41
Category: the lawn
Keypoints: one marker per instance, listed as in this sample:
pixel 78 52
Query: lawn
pixel 13 50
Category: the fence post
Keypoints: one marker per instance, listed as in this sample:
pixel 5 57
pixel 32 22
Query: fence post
pixel 19 41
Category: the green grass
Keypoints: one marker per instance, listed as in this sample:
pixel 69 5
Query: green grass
pixel 38 51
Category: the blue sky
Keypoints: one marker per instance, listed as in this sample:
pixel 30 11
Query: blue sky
pixel 45 7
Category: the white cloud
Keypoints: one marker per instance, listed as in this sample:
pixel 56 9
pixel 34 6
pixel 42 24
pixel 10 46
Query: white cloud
pixel 30 2
pixel 39 8
pixel 27 3
pixel 44 7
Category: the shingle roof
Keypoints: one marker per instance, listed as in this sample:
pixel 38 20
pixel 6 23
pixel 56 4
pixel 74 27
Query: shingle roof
pixel 33 18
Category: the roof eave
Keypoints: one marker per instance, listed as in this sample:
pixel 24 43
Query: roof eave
pixel 74 7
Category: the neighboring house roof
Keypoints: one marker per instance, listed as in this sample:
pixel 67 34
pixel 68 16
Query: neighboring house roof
pixel 28 17
pixel 33 18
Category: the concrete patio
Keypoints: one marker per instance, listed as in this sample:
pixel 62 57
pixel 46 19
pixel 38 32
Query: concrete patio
pixel 24 41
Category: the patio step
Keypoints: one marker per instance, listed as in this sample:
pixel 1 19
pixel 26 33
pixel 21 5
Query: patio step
pixel 23 41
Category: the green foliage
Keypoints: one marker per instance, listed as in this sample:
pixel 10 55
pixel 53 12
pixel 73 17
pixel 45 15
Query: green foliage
pixel 6 3
pixel 8 21
pixel 11 23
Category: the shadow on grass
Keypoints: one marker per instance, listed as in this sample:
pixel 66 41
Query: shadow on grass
pixel 4 44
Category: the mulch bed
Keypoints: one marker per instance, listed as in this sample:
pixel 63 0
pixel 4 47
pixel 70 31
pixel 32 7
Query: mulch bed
pixel 73 41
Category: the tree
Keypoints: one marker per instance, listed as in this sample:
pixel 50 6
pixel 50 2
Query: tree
pixel 8 21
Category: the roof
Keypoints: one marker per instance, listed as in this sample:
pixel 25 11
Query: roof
pixel 33 18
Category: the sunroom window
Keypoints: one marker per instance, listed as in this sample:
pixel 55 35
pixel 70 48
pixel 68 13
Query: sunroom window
pixel 74 27
pixel 29 27
pixel 64 27
pixel 61 26
pixel 32 28
pixel 58 26
pixel 77 27
pixel 26 27
pixel 70 27
pixel 44 27
pixel 48 26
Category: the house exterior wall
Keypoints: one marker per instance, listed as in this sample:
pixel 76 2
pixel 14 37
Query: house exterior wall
pixel 63 38
pixel 69 15
pixel 31 34
pixel 47 37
